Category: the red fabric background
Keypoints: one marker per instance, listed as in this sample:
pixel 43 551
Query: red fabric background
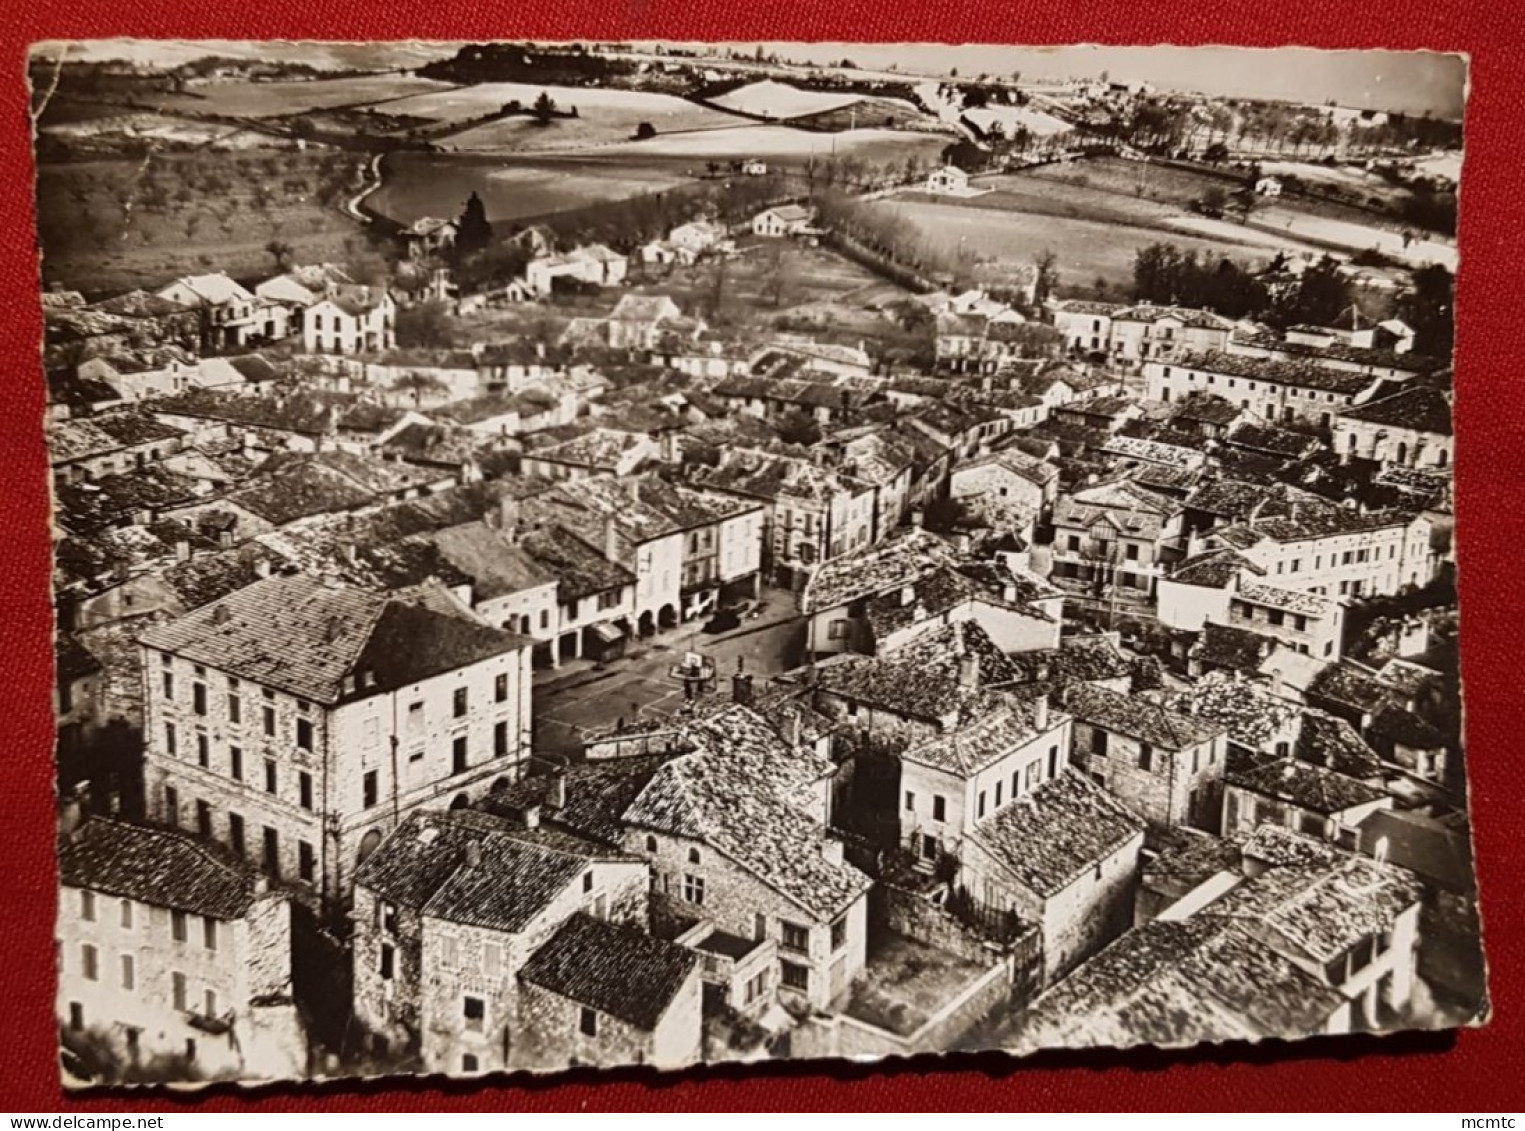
pixel 1474 1071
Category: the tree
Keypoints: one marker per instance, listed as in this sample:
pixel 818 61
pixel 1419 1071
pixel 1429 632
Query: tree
pixel 1428 308
pixel 473 232
pixel 1216 153
pixel 418 384
pixel 644 131
pixel 798 427
pixel 425 324
pixel 544 108
pixel 1212 202
pixel 280 251
pixel 1048 275
pixel 778 273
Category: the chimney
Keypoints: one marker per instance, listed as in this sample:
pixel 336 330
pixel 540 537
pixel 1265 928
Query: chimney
pixel 969 671
pixel 71 815
pixel 611 541
pixel 741 689
pixel 529 816
pixel 917 518
pixel 262 567
pixel 1040 712
pixel 221 614
pixel 796 729
pixel 540 351
pixel 1009 594
pixel 961 544
pixel 907 595
pixel 558 796
pixel 182 550
pixel 831 850
pixel 473 854
pixel 261 884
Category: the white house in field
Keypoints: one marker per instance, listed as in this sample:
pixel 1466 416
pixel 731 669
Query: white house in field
pixel 950 180
pixel 785 220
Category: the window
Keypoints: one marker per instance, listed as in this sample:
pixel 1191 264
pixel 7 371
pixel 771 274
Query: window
pixel 928 846
pixel 1145 757
pixel 268 719
pixel 203 820
pixel 998 786
pixel 304 789
pixel 386 916
pixel 236 833
pixel 89 962
pixel 1053 764
pixel 271 785
pixel 235 709
pixel 693 889
pixel 839 934
pixel 794 937
pixel 236 763
pixel 203 752
pixel 982 803
pixel 587 1022
pixel 199 698
pixel 910 802
pixel 474 1010
pixel 172 806
pixel 272 851
pixel 129 972
pixel 500 687
pixel 177 990
pixel 87 906
pixel 169 685
pixel 458 755
pixel 1098 742
pixel 458 704
pixel 795 976
pixel 177 925
pixel 388 962
pixel 370 787
pixel 651 844
pixel 415 718
pixel 1275 616
pixel 304 734
pixel 1130 552
pixel 306 862
pixel 939 808
pixel 169 739
pixel 500 740
pixel 693 856
pixel 126 912
pixel 469 1063
pixel 587 881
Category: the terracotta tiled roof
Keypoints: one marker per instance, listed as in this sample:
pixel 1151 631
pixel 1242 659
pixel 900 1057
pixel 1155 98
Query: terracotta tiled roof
pixel 156 867
pixel 613 969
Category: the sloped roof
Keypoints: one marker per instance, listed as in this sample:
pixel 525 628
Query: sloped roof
pixel 1300 374
pixel 613 969
pixel 1309 787
pixel 156 867
pixel 1419 408
pixel 1050 837
pixel 310 639
pixel 1138 718
pixel 425 866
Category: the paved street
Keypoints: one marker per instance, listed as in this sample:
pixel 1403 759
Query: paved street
pixel 580 697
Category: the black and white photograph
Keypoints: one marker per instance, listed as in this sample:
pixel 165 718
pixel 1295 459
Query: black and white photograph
pixel 609 554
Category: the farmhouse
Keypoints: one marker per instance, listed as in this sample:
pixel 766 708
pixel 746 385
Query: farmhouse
pixel 594 265
pixel 1271 389
pixel 784 220
pixel 428 236
pixel 950 180
pixel 1410 428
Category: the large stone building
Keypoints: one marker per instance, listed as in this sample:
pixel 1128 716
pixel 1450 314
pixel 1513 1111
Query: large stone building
pixel 298 723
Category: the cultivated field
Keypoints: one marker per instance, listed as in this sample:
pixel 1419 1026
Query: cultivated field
pixel 616 110
pixel 594 125
pixel 780 143
pixel 1088 248
pixel 780 101
pixel 160 128
pixel 279 99
pixel 112 225
pixel 416 185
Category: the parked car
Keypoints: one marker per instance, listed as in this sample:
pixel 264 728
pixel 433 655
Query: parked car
pixel 723 621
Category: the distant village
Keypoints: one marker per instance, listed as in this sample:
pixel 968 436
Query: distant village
pixel 649 693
